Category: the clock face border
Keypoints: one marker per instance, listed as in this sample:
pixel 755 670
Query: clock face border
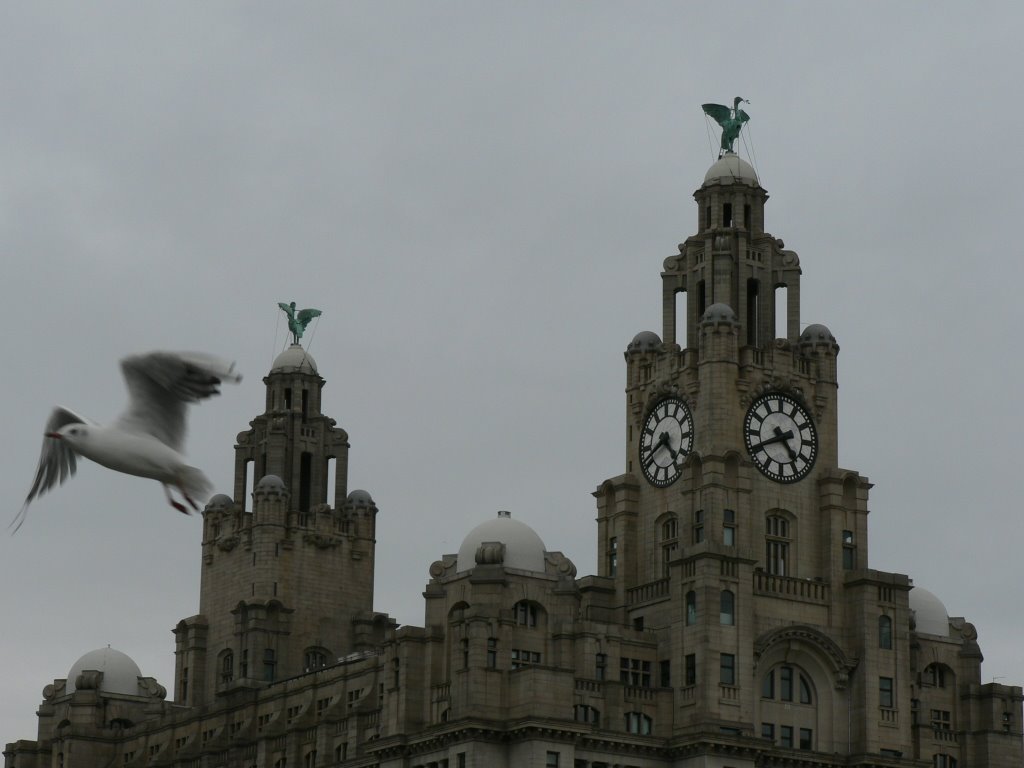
pixel 670 416
pixel 782 413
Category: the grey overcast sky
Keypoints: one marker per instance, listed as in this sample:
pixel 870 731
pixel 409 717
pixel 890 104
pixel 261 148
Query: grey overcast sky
pixel 479 197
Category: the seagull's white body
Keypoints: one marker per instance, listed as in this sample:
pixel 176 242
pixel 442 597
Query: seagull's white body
pixel 146 440
pixel 133 453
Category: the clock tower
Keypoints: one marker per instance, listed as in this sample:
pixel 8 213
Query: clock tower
pixel 733 504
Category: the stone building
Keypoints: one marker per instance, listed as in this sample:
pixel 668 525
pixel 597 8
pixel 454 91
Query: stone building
pixel 734 620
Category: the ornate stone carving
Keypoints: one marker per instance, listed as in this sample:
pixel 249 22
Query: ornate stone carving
pixel 89 679
pixel 490 553
pixel 55 689
pixel 816 642
pixel 436 569
pixel 321 540
pixel 150 687
pixel 227 543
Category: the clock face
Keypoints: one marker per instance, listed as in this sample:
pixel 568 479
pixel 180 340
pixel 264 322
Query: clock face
pixel 781 438
pixel 666 440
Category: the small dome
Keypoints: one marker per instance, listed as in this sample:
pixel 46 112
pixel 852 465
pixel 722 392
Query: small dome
pixel 270 483
pixel 731 169
pixel 719 313
pixel 120 673
pixel 219 503
pixel 294 360
pixel 645 341
pixel 930 616
pixel 524 549
pixel 817 334
pixel 359 498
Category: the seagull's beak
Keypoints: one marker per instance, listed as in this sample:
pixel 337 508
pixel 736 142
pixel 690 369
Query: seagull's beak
pixel 54 435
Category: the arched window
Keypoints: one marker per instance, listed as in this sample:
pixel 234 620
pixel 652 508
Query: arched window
pixel 525 613
pixel 315 658
pixel 787 683
pixel 584 713
pixel 227 666
pixel 776 554
pixel 669 542
pixel 885 633
pixel 691 607
pixel 727 610
pixel 639 723
pixel 935 675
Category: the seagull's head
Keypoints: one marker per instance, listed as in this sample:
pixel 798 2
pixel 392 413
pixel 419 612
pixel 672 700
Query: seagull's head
pixel 73 434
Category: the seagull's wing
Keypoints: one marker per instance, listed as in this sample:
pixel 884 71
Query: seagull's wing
pixel 57 461
pixel 161 384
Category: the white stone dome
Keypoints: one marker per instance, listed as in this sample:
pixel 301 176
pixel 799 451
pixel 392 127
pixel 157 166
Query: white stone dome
pixel 645 341
pixel 719 313
pixel 270 483
pixel 524 549
pixel 731 169
pixel 930 616
pixel 120 673
pixel 294 360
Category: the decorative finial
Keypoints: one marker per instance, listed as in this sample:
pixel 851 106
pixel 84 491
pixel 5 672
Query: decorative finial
pixel 731 121
pixel 297 322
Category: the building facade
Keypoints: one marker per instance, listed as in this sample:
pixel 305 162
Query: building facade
pixel 733 621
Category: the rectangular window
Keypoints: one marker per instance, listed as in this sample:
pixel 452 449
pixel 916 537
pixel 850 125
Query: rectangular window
pixel 613 556
pixel 698 526
pixel 464 645
pixel 635 672
pixel 552 761
pixel 768 686
pixel 885 698
pixel 786 736
pixel 600 665
pixel 522 658
pixel 729 527
pixel 849 551
pixel 805 738
pixel 665 676
pixel 691 669
pixel 786 683
pixel 940 719
pixel 492 653
pixel 768 731
pixel 727 667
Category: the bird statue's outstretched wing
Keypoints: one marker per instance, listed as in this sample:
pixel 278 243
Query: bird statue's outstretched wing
pixel 286 308
pixel 162 384
pixel 742 116
pixel 717 112
pixel 306 315
pixel 57 461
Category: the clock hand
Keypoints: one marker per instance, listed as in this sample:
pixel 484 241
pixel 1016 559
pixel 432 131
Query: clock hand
pixel 780 437
pixel 665 441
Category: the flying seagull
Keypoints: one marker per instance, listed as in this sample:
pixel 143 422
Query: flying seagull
pixel 147 439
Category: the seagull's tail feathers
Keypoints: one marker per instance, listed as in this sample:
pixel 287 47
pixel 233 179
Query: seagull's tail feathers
pixel 18 518
pixel 194 485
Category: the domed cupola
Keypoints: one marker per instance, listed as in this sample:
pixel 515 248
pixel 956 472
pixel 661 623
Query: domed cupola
pixel 645 341
pixel 118 673
pixel 731 169
pixel 930 615
pixel 295 359
pixel 502 541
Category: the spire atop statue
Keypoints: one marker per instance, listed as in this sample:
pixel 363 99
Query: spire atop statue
pixel 731 121
pixel 297 321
